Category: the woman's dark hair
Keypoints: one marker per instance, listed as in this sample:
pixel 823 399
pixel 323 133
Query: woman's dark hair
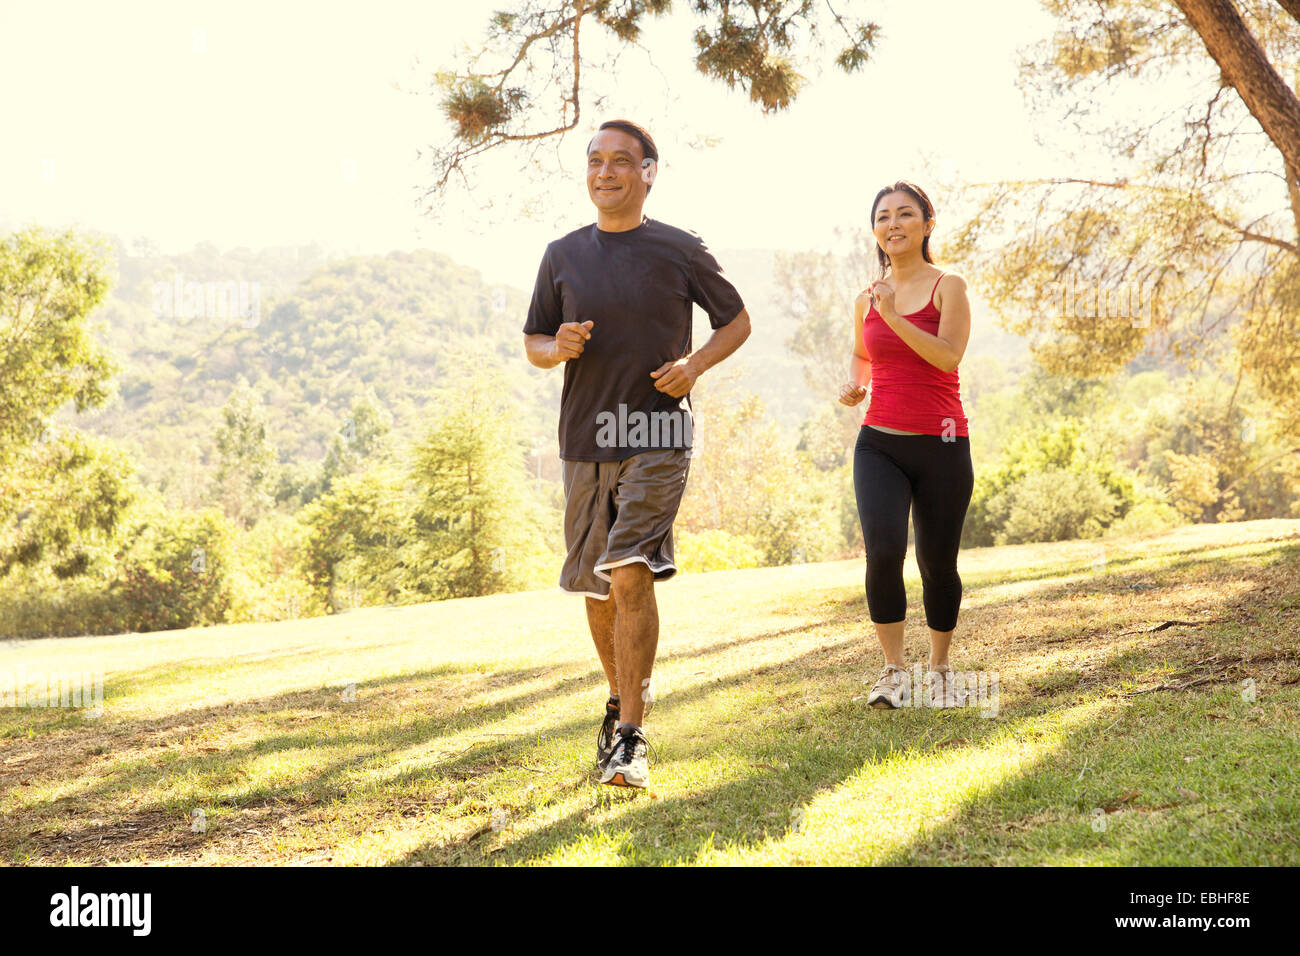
pixel 927 212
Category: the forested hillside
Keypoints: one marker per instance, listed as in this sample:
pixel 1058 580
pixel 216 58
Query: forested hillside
pixel 327 332
pixel 326 329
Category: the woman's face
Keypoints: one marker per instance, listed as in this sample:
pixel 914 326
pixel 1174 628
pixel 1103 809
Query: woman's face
pixel 900 224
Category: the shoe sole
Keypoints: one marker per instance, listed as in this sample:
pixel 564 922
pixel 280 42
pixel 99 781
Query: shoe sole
pixel 883 703
pixel 618 780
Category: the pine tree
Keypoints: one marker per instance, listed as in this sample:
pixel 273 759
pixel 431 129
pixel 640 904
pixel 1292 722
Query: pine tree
pixel 247 461
pixel 475 518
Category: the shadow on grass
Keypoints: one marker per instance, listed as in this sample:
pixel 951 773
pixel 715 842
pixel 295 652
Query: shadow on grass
pixel 63 757
pixel 451 717
pixel 813 747
pixel 1109 580
pixel 816 748
pixel 1216 563
pixel 819 747
pixel 1038 813
pixel 1154 794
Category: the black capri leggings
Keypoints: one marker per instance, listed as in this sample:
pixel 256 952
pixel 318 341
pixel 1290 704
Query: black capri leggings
pixel 933 478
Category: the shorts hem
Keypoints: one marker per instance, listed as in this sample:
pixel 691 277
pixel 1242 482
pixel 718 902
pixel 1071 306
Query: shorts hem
pixel 630 453
pixel 591 594
pixel 659 569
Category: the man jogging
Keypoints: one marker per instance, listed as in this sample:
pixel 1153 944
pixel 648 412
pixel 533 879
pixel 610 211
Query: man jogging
pixel 613 303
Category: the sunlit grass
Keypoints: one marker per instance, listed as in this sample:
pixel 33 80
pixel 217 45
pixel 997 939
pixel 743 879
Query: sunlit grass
pixel 462 732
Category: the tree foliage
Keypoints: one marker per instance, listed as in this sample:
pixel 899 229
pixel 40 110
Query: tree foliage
pixel 746 479
pixel 177 573
pixel 247 461
pixel 363 437
pixel 455 519
pixel 61 504
pixel 353 549
pixel 1191 244
pixel 49 284
pixel 532 78
pixel 816 290
pixel 477 527
pixel 62 493
pixel 1014 502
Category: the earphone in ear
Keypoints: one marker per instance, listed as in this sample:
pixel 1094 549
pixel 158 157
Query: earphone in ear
pixel 648 170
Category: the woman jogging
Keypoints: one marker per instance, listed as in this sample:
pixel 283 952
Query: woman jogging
pixel 913 453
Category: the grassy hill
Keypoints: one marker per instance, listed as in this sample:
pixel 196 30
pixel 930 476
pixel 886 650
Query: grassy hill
pixel 1147 714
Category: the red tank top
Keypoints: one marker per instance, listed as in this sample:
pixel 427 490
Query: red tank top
pixel 907 392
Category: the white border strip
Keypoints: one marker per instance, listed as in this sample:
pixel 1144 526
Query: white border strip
pixel 600 569
pixel 590 594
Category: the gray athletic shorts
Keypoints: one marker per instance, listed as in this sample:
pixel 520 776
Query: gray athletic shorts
pixel 620 512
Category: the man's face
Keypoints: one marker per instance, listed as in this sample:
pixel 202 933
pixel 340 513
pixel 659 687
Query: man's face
pixel 614 171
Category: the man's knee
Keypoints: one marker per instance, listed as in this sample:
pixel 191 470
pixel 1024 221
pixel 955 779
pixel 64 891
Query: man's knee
pixel 631 583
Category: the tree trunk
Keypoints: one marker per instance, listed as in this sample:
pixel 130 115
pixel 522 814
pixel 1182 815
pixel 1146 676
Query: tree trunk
pixel 1292 7
pixel 1244 64
pixel 1293 190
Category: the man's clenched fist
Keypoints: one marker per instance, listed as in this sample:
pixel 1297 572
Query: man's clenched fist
pixel 570 338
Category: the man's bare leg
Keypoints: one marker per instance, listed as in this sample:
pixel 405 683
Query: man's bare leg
pixel 636 635
pixel 600 618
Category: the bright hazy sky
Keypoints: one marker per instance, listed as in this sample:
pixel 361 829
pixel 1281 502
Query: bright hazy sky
pixel 239 122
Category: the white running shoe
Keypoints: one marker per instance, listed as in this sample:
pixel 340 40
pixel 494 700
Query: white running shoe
pixel 893 688
pixel 943 690
pixel 629 764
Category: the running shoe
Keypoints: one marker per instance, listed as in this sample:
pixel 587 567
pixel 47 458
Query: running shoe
pixel 943 690
pixel 893 688
pixel 605 739
pixel 629 764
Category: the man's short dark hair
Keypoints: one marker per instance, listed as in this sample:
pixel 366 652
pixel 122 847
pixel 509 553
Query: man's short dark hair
pixel 648 148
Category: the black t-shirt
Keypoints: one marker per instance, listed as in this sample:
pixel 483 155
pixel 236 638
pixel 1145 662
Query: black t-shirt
pixel 637 288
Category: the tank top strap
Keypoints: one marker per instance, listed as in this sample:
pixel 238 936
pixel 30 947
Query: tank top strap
pixel 936 286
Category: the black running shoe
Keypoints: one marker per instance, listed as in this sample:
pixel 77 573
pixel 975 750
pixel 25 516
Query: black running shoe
pixel 605 739
pixel 629 764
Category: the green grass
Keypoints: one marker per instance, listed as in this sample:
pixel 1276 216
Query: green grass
pixel 471 734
